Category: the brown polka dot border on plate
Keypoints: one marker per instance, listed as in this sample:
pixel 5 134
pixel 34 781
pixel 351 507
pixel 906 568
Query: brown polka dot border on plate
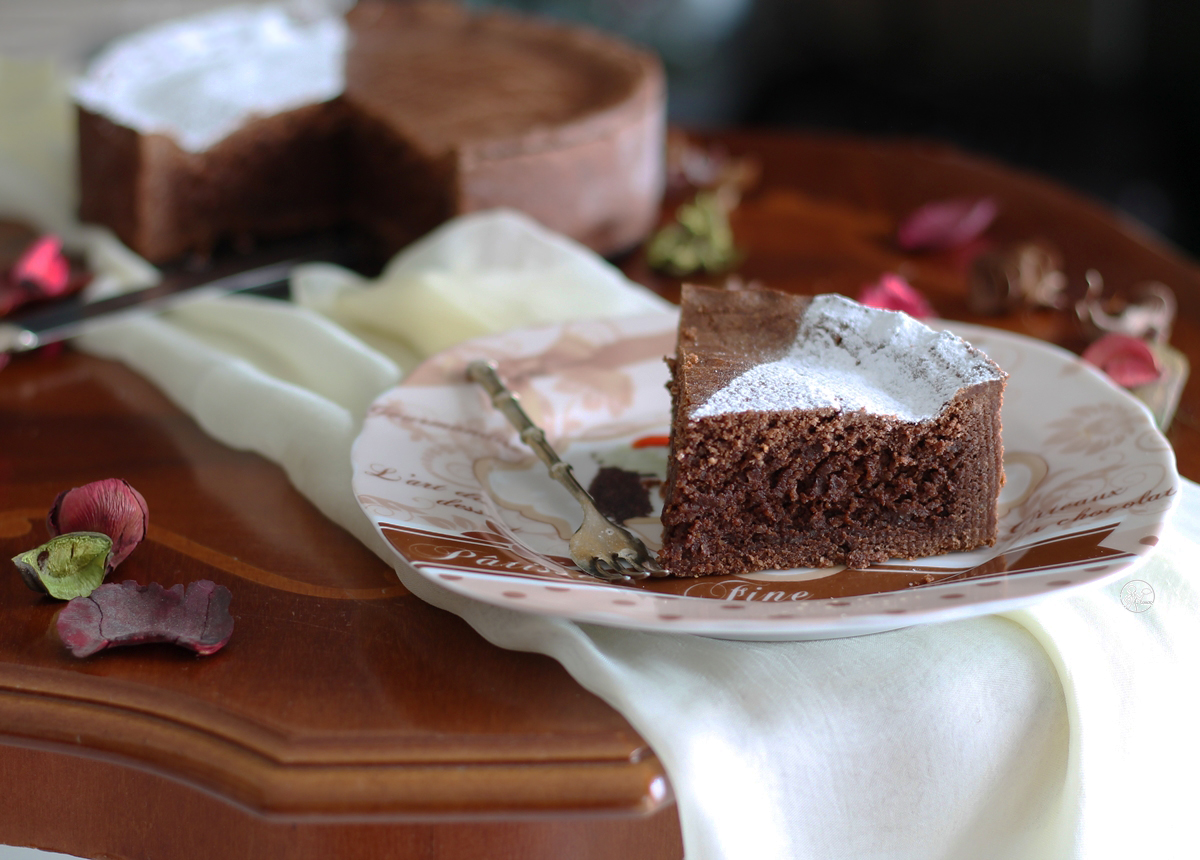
pixel 952 596
pixel 515 595
pixel 1058 583
pixel 449 577
pixel 624 602
pixel 1149 540
pixel 556 588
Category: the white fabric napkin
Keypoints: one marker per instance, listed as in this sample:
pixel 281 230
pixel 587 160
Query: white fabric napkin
pixel 1059 731
pixel 1063 731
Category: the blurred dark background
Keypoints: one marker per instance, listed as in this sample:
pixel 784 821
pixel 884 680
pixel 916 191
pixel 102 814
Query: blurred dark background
pixel 1099 94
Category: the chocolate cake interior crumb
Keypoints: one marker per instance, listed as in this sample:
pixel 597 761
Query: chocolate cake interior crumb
pixel 780 488
pixel 620 494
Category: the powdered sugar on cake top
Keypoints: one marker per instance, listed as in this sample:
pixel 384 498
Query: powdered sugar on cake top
pixel 199 79
pixel 850 357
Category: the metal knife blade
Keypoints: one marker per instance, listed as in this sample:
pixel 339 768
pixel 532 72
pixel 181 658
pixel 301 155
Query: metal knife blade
pixel 68 317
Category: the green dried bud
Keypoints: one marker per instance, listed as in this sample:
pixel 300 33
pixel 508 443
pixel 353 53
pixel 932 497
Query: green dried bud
pixel 67 566
pixel 698 240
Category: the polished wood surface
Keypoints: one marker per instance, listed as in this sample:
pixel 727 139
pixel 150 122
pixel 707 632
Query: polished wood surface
pixel 346 718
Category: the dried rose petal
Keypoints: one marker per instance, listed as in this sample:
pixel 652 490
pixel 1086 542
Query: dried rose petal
pixel 66 566
pixel 111 507
pixel 114 614
pixel 946 223
pixel 1127 361
pixel 43 269
pixel 893 293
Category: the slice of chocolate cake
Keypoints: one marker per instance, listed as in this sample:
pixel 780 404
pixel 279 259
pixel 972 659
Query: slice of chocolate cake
pixel 810 432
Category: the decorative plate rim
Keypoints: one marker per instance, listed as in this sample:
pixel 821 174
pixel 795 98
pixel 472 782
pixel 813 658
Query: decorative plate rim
pixel 445 523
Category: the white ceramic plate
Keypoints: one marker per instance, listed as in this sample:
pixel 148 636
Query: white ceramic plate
pixel 460 498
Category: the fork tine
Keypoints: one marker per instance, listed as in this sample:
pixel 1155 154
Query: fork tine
pixel 622 563
pixel 639 567
pixel 647 567
pixel 642 561
pixel 652 568
pixel 612 565
pixel 604 570
pixel 589 567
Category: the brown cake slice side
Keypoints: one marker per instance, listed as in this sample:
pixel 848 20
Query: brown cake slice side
pixel 764 489
pixel 282 175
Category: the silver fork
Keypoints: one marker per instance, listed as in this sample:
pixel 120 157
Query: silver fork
pixel 600 547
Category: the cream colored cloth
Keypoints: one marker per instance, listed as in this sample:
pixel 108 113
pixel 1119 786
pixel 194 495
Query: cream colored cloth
pixel 1061 731
pixel 1064 731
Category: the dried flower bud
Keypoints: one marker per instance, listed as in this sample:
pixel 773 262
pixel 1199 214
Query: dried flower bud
pixel 111 507
pixel 695 165
pixel 1029 273
pixel 1126 360
pixel 893 293
pixel 67 566
pixel 1148 316
pixel 699 239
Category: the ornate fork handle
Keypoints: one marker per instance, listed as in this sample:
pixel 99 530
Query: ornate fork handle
pixel 484 373
pixel 600 546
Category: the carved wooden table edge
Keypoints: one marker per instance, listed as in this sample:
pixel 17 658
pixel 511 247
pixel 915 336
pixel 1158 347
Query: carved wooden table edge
pixel 302 791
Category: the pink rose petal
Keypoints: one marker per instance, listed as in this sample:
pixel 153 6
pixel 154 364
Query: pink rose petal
pixel 43 269
pixel 946 223
pixel 1127 361
pixel 196 618
pixel 892 293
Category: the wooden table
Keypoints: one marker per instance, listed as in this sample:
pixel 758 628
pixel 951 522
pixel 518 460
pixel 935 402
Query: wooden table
pixel 347 718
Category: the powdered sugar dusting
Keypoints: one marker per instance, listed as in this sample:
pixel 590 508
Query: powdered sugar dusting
pixel 850 357
pixel 199 79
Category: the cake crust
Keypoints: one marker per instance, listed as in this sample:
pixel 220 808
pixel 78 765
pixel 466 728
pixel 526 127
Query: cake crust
pixel 813 487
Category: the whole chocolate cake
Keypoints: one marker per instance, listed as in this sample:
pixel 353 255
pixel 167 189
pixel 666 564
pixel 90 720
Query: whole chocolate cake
pixel 254 121
pixel 811 432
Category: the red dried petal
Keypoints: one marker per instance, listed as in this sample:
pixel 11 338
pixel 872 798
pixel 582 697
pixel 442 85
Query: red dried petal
pixel 43 269
pixel 946 223
pixel 1127 361
pixel 893 293
pixel 196 618
pixel 110 506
